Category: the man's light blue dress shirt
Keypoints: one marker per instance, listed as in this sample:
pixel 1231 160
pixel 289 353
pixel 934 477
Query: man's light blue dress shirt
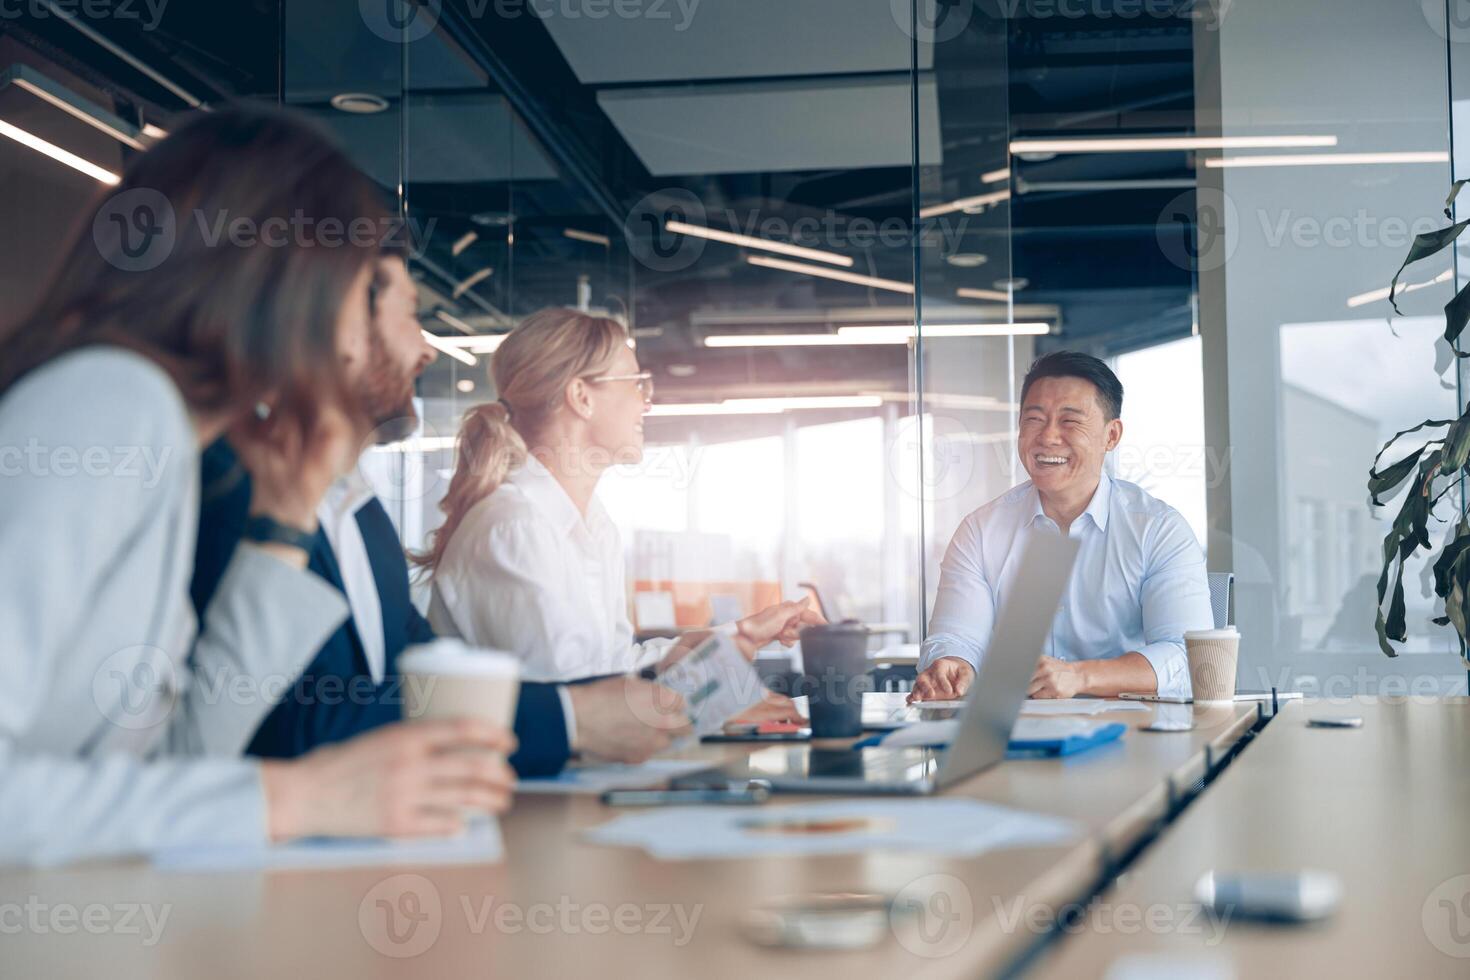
pixel 1138 584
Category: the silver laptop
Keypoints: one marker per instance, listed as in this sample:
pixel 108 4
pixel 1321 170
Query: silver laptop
pixel 991 708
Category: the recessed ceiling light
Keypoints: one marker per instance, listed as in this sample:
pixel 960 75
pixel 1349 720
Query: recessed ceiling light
pixel 465 385
pixel 966 260
pixel 681 370
pixel 359 103
pixel 1012 284
pixel 493 219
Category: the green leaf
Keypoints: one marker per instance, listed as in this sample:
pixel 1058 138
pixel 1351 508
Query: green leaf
pixel 1428 423
pixel 1457 444
pixel 1386 481
pixel 1456 315
pixel 1452 555
pixel 1422 247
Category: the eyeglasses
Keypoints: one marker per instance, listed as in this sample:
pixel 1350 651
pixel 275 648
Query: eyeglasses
pixel 644 380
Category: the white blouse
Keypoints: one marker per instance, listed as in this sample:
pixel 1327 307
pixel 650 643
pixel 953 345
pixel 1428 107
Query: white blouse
pixel 526 573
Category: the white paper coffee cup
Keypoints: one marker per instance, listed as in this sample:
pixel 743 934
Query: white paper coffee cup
pixel 1213 658
pixel 450 679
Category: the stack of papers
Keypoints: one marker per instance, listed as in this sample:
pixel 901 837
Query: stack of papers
pixel 942 826
pixel 716 682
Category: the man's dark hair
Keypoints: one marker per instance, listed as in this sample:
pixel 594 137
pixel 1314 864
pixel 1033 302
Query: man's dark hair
pixel 1073 364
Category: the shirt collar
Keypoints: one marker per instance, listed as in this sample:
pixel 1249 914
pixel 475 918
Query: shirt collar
pixel 347 495
pixel 543 490
pixel 1097 508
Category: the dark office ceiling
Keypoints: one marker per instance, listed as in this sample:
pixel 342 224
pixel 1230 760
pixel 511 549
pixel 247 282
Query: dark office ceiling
pixel 520 128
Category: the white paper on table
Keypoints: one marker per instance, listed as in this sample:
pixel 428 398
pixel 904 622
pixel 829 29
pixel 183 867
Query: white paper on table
pixel 943 826
pixel 889 710
pixel 716 681
pixel 601 778
pixel 1078 706
pixel 479 844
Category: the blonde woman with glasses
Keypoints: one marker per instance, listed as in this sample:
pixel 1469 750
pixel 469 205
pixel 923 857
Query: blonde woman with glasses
pixel 527 559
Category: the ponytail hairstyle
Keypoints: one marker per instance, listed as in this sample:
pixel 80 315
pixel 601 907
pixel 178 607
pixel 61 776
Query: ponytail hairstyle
pixel 531 370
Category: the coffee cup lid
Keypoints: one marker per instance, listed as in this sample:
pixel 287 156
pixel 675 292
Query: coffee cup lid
pixel 1225 633
pixel 458 659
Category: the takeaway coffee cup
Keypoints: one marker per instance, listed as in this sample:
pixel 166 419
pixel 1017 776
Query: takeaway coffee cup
pixel 1213 655
pixel 449 679
pixel 834 676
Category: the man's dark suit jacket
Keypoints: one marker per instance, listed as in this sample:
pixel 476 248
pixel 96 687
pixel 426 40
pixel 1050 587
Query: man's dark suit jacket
pixel 335 698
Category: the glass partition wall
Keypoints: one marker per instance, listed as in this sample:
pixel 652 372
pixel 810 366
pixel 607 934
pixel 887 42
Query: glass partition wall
pixel 1307 369
pixel 740 185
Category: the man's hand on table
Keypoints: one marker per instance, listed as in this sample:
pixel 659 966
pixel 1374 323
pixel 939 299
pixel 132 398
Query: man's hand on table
pixel 1057 679
pixel 627 719
pixel 946 679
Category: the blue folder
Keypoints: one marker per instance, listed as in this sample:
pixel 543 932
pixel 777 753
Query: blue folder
pixel 1070 745
pixel 1040 747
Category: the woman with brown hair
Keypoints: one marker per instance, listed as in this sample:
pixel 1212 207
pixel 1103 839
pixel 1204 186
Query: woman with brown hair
pixel 249 317
pixel 527 559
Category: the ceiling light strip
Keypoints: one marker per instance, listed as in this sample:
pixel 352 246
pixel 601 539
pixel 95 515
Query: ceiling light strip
pixel 1145 144
pixel 1373 295
pixel 437 342
pixel 1329 159
pixel 820 271
pixel 749 241
pixel 764 406
pixel 56 153
pixel 964 203
pixel 59 96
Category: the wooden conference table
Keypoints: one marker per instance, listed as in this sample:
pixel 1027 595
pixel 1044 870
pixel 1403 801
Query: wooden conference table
pixel 1385 807
pixel 326 924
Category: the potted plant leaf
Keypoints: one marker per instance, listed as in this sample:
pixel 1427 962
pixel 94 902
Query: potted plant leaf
pixel 1434 471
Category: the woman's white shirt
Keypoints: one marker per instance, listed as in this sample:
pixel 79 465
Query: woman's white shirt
pixel 526 572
